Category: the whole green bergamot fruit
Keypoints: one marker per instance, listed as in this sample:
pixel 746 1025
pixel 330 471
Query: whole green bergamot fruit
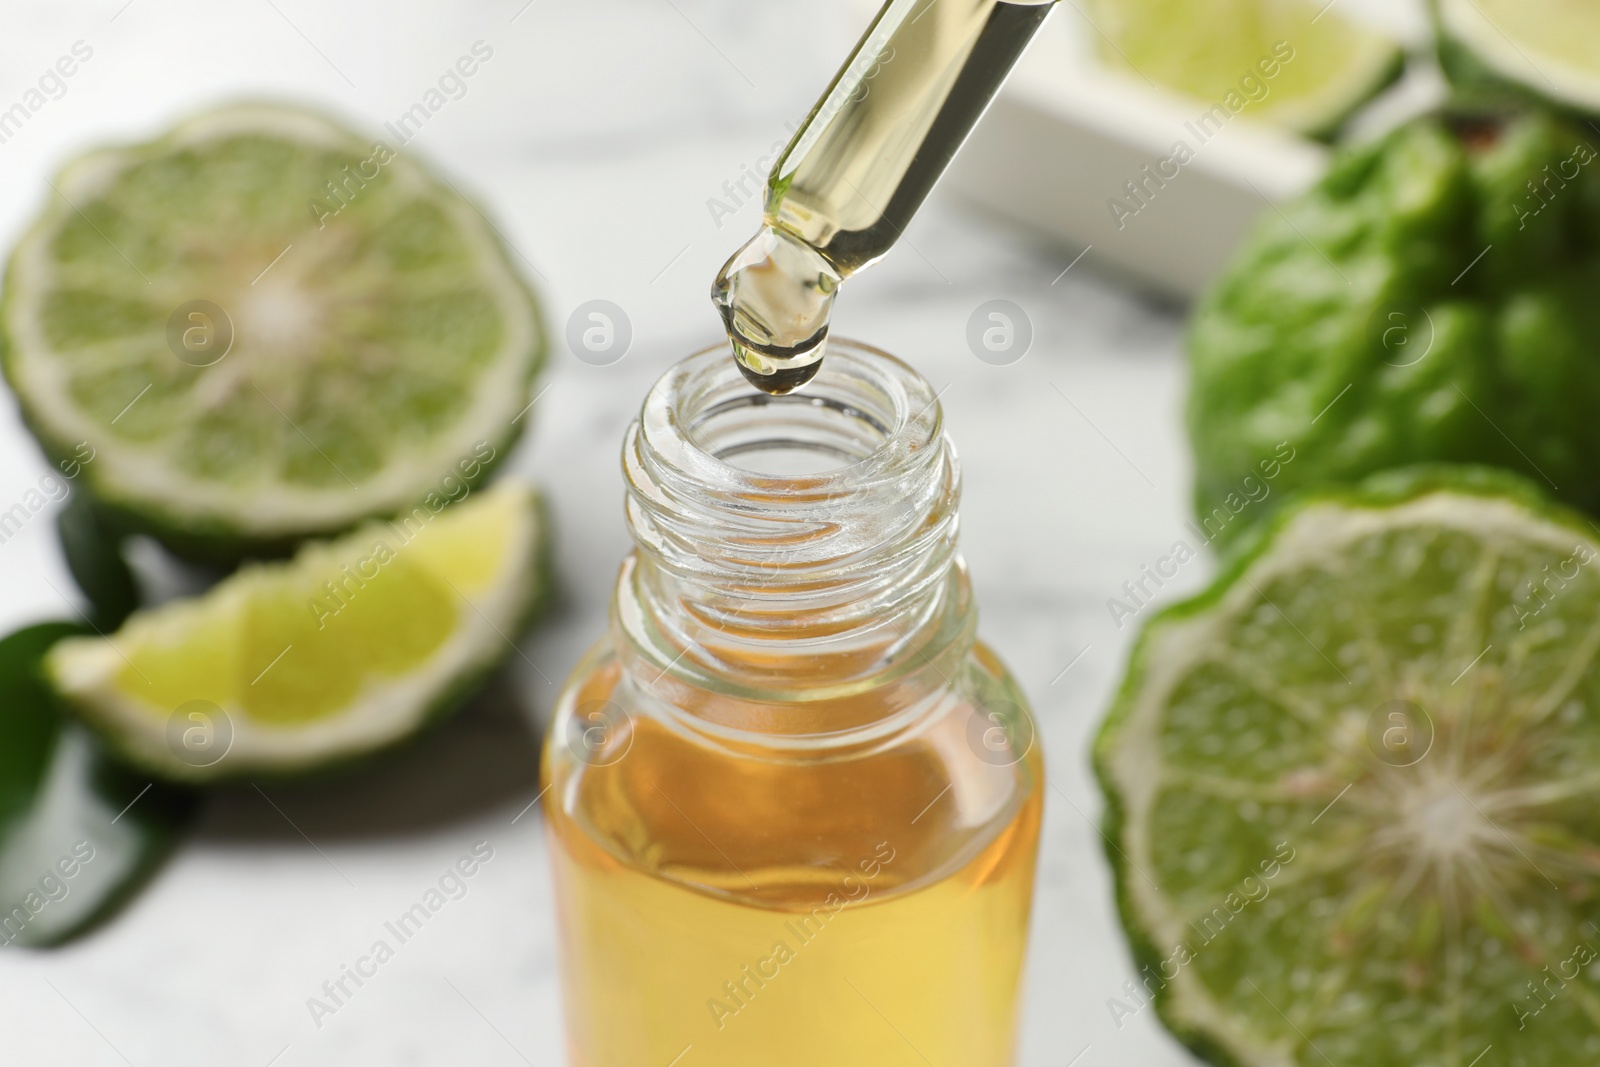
pixel 1436 297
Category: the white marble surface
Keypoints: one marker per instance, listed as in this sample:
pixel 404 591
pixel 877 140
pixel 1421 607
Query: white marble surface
pixel 597 133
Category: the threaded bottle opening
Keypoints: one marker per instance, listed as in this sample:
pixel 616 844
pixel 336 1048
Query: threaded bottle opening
pixel 811 535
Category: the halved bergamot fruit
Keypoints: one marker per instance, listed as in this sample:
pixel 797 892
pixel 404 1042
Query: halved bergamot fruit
pixel 1293 63
pixel 265 328
pixel 1353 787
pixel 1547 49
pixel 287 667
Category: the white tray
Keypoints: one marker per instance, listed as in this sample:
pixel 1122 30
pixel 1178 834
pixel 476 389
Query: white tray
pixel 1066 134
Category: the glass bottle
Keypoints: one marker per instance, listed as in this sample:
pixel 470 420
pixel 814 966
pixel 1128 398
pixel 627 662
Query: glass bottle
pixel 793 805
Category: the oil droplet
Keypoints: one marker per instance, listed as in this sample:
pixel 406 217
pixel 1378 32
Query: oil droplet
pixel 775 296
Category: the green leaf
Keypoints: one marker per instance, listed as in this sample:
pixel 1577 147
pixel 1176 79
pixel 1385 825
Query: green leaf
pixel 79 831
pixel 93 550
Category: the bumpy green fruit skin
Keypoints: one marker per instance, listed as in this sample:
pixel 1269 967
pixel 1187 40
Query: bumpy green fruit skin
pixel 1435 298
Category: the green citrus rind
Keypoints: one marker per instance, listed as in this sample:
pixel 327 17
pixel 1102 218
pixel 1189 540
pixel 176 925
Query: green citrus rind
pixel 1239 1005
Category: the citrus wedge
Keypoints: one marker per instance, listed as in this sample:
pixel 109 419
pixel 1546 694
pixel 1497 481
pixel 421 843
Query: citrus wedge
pixel 1547 48
pixel 1280 61
pixel 351 646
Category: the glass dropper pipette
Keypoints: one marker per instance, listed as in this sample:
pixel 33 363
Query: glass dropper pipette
pixel 859 168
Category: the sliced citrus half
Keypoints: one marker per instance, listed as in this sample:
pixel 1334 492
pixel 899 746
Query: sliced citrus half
pixel 264 327
pixel 1547 48
pixel 1296 64
pixel 289 666
pixel 1353 787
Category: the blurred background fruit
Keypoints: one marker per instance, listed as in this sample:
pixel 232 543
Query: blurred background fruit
pixel 1290 64
pixel 270 327
pixel 1522 50
pixel 1430 300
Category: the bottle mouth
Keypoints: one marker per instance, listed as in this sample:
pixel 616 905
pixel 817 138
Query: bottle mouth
pixel 808 535
pixel 864 417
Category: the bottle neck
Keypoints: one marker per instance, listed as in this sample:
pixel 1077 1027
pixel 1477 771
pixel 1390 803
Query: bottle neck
pixel 793 552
